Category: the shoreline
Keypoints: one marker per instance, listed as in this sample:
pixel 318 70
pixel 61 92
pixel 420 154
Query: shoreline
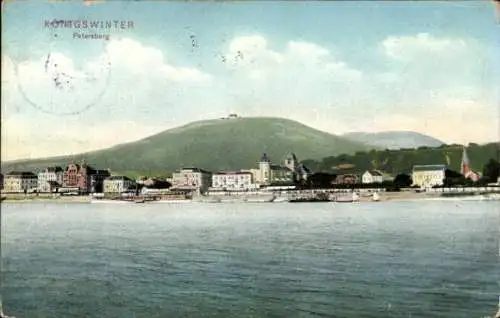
pixel 384 197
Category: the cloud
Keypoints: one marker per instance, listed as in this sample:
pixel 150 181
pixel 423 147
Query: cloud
pixel 420 46
pixel 149 62
pixel 22 137
pixel 460 121
pixel 104 91
pixel 429 84
pixel 253 55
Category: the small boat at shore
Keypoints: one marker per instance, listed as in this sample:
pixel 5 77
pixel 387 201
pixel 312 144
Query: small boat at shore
pixel 349 199
pixel 280 199
pixel 376 197
pixel 259 198
pixel 172 201
pixel 308 200
pixel 106 201
pixel 319 197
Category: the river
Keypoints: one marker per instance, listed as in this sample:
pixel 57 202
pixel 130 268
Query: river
pixel 391 259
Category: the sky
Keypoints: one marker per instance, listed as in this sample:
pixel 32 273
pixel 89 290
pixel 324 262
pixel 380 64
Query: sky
pixel 429 67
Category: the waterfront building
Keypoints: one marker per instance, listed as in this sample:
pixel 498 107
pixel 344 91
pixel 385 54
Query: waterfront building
pixel 84 178
pixel 194 179
pixel 288 173
pixel 50 179
pixel 97 178
pixel 300 171
pixel 372 176
pixel 427 176
pixel 118 184
pixel 19 182
pixel 233 180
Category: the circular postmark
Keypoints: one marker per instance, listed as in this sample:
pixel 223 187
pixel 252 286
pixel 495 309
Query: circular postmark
pixel 69 79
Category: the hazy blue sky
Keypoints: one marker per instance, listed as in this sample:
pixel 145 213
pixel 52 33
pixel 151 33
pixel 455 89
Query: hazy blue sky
pixel 339 67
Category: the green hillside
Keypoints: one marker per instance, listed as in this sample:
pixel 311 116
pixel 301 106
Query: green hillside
pixel 394 139
pixel 213 144
pixel 401 161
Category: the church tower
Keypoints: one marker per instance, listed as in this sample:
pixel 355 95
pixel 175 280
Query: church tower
pixel 265 169
pixel 464 167
pixel 291 162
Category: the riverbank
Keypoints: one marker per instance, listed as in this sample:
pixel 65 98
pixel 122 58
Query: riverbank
pixel 363 197
pixel 15 198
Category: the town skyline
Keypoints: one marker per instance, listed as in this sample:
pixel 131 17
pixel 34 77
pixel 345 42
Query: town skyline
pixel 422 68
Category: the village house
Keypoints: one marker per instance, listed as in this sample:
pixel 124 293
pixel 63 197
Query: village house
pixel 50 179
pixel 19 182
pixel 372 176
pixel 427 176
pixel 193 179
pixel 118 184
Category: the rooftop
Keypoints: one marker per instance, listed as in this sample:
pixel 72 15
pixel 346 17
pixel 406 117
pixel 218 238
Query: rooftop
pixel 429 167
pixel 192 169
pixel 375 173
pixel 280 168
pixel 54 169
pixel 20 174
pixel 124 178
pixel 264 158
pixel 232 172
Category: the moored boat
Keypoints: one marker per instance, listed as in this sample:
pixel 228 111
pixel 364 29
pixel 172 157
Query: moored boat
pixel 348 199
pixel 280 199
pixel 300 200
pixel 259 198
pixel 110 201
pixel 376 197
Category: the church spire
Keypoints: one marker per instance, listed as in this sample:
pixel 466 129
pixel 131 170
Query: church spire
pixel 464 168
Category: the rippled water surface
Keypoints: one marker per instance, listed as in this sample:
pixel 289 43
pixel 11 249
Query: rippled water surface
pixel 394 259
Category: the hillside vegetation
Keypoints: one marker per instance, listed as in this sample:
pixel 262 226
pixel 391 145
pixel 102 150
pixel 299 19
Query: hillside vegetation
pixel 402 161
pixel 222 144
pixel 394 139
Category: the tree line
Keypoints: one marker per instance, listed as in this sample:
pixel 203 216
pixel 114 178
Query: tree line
pixel 326 180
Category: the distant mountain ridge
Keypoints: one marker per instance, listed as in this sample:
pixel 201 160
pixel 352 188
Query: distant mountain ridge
pixel 218 144
pixel 394 139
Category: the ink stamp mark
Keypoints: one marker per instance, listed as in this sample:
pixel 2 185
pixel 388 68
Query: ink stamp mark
pixel 55 85
pixel 61 84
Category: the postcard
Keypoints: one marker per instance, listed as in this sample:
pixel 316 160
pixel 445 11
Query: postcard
pixel 250 159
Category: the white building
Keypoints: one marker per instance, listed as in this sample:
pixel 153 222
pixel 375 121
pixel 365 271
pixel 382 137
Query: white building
pixel 118 184
pixel 237 180
pixel 50 179
pixel 372 176
pixel 269 173
pixel 20 181
pixel 192 179
pixel 427 176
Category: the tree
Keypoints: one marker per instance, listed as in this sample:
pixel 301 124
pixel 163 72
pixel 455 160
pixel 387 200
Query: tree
pixel 321 180
pixel 453 178
pixel 402 180
pixel 491 170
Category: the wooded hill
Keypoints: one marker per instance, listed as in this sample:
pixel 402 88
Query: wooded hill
pixel 402 160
